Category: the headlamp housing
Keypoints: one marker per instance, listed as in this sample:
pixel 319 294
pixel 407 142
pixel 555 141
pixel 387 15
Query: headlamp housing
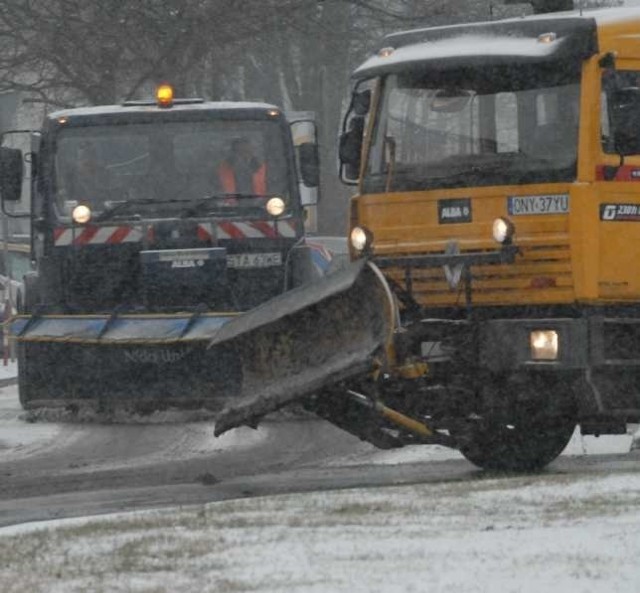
pixel 361 239
pixel 275 206
pixel 503 231
pixel 544 344
pixel 81 214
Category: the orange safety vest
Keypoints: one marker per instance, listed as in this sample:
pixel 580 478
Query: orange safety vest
pixel 228 179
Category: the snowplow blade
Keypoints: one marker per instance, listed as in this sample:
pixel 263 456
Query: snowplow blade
pixel 307 340
pixel 142 362
pixel 249 363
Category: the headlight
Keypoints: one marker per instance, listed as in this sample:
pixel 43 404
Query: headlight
pixel 544 344
pixel 361 238
pixel 503 230
pixel 275 206
pixel 81 214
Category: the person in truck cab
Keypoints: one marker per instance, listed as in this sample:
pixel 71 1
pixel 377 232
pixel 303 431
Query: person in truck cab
pixel 241 172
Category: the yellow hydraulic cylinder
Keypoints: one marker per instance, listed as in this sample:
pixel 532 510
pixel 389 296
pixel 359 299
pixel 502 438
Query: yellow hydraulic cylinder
pixel 394 416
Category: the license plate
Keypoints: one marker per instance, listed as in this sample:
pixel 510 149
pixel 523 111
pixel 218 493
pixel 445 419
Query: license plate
pixel 549 204
pixel 254 260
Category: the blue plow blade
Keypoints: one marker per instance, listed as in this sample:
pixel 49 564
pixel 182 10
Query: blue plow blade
pixel 120 329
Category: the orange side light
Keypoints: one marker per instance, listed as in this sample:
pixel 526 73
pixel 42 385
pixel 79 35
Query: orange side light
pixel 164 95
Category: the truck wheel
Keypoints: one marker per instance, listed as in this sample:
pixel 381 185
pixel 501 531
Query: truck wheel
pixel 531 436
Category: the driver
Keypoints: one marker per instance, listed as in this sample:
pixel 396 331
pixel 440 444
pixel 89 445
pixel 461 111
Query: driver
pixel 241 172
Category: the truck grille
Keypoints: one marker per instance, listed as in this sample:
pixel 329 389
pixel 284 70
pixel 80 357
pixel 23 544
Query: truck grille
pixel 541 274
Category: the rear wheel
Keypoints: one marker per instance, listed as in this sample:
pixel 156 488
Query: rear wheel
pixel 522 431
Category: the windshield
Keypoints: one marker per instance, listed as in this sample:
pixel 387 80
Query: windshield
pixel 469 128
pixel 164 165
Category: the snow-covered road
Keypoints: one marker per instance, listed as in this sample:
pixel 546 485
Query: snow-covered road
pixel 573 528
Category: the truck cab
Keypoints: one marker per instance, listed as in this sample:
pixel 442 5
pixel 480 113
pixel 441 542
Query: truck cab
pixel 124 193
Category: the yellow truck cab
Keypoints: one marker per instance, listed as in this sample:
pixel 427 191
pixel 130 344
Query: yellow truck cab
pixel 498 175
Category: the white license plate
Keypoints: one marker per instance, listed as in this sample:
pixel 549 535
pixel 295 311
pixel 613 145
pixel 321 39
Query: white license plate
pixel 254 260
pixel 549 204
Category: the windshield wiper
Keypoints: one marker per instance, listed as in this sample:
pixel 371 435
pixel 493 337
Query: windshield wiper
pixel 122 205
pixel 114 208
pixel 221 203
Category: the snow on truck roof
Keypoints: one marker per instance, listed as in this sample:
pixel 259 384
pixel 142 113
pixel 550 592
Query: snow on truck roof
pixel 221 106
pixel 574 34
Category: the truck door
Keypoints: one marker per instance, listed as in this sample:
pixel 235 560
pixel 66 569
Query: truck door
pixel 618 182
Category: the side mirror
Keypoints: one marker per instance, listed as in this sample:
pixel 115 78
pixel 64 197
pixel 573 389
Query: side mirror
pixel 350 150
pixel 625 119
pixel 11 174
pixel 309 160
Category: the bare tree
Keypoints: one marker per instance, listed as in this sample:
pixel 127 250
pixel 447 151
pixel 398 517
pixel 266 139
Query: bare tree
pixel 295 53
pixel 85 51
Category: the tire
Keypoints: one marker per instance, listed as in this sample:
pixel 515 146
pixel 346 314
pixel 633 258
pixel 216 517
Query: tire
pixel 530 434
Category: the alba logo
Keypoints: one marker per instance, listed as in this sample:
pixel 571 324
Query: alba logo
pixel 187 263
pixel 454 210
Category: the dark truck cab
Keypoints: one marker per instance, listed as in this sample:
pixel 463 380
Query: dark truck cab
pixel 131 222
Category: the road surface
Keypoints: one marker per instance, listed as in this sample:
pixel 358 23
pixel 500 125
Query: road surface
pixel 52 470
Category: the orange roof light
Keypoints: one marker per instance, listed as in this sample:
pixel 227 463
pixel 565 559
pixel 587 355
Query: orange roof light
pixel 164 95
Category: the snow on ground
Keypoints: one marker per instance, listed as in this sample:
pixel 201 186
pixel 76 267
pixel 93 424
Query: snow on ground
pixel 551 533
pixel 18 438
pixel 8 369
pixel 547 532
pixel 110 446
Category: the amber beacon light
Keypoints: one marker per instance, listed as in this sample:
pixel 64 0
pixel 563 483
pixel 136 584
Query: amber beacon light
pixel 164 95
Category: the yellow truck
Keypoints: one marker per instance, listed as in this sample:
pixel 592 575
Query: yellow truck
pixel 496 228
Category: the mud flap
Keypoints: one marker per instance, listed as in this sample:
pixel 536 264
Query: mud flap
pixel 307 340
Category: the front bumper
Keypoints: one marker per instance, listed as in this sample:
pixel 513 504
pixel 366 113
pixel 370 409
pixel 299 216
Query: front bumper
pixel 594 342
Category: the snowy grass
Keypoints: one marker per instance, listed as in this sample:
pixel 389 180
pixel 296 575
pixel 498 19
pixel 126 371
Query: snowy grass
pixel 549 532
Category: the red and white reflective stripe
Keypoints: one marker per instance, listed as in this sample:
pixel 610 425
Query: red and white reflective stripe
pixel 205 231
pixel 257 229
pixel 111 235
pixel 95 235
